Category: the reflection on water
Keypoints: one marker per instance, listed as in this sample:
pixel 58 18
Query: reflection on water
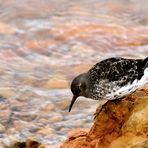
pixel 44 44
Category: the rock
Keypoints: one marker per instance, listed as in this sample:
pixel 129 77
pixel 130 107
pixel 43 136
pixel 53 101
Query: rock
pixel 130 141
pixel 27 144
pixel 119 124
pixel 33 144
pixel 78 132
pixel 18 145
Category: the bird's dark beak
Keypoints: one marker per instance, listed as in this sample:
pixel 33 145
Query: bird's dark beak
pixel 72 102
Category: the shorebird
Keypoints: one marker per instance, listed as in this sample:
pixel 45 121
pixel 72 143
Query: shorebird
pixel 111 79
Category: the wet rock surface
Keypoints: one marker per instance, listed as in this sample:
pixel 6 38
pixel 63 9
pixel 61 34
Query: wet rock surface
pixel 121 123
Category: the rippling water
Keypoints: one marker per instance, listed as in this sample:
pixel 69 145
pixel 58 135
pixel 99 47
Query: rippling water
pixel 44 44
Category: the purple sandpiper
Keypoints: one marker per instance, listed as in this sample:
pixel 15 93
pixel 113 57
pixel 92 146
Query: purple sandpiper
pixel 111 79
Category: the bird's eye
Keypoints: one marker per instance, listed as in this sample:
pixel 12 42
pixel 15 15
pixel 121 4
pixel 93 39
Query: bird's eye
pixel 76 90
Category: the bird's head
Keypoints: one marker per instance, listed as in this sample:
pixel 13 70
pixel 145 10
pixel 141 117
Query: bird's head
pixel 78 88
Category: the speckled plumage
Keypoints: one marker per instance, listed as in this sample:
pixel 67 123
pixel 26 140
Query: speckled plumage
pixel 110 79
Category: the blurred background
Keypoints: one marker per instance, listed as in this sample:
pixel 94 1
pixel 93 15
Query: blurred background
pixel 44 44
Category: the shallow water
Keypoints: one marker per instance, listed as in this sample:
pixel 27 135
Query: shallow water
pixel 44 44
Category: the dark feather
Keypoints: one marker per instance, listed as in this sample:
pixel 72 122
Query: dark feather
pixel 115 69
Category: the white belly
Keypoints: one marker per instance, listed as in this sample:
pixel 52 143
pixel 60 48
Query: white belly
pixel 129 88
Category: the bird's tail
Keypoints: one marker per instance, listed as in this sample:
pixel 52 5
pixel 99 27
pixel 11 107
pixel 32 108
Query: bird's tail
pixel 145 63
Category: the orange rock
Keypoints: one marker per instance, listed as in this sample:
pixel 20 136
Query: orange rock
pixel 78 132
pixel 27 144
pixel 118 124
pixel 130 141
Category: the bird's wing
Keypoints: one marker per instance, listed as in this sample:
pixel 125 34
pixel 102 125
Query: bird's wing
pixel 115 69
